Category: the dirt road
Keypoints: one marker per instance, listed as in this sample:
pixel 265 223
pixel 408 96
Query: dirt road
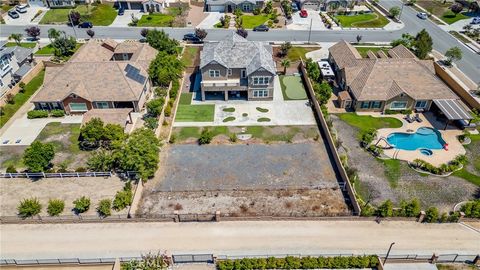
pixel 100 240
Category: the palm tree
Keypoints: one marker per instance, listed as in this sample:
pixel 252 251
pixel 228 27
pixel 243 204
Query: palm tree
pixel 285 64
pixel 53 34
pixel 16 37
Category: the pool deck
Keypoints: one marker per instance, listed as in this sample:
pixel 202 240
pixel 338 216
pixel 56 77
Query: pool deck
pixel 440 156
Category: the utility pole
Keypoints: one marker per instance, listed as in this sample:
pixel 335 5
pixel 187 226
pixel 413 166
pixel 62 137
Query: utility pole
pixel 73 26
pixel 388 252
pixel 310 32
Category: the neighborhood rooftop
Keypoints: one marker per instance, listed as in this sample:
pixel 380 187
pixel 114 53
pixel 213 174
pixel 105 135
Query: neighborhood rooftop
pixel 237 52
pixel 382 78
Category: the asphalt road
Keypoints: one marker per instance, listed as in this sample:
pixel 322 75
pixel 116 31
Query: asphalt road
pixel 102 240
pixel 470 64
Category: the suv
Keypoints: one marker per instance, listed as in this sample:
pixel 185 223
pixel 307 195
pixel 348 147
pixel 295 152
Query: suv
pixel 21 8
pixel 121 11
pixel 85 25
pixel 303 13
pixel 294 7
pixel 192 38
pixel 261 28
pixel 422 15
pixel 13 14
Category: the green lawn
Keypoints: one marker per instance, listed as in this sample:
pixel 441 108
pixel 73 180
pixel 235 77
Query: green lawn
pixel 6 8
pixel 195 113
pixel 364 122
pixel 48 50
pixel 161 20
pixel 292 88
pixel 98 15
pixel 450 17
pixel 250 21
pixel 20 98
pixel 185 99
pixel 363 50
pixel 367 20
pixel 189 56
pixel 295 53
pixel 470 177
pixel 28 45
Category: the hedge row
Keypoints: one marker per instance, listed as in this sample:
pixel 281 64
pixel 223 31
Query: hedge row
pixel 299 263
pixel 43 114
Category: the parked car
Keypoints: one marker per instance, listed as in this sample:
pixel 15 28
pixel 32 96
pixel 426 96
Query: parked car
pixel 475 20
pixel 261 28
pixel 294 7
pixel 192 38
pixel 121 11
pixel 85 25
pixel 422 15
pixel 21 8
pixel 13 14
pixel 303 13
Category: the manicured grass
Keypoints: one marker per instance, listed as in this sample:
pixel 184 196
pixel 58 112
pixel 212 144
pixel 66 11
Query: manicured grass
pixel 28 45
pixel 229 109
pixel 10 109
pixel 470 177
pixel 363 50
pixel 185 99
pixel 297 53
pixel 262 110
pixel 98 15
pixel 450 17
pixel 392 170
pixel 250 21
pixel 195 113
pixel 229 119
pixel 292 88
pixel 161 20
pixel 188 132
pixel 367 20
pixel 364 122
pixel 6 8
pixel 189 56
pixel 48 50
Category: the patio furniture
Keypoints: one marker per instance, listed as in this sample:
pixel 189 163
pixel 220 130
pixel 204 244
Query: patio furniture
pixel 417 118
pixel 409 119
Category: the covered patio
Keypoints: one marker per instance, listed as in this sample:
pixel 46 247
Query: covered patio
pixel 454 110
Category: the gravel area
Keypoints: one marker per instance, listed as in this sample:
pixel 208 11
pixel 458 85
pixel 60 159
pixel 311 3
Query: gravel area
pixel 442 192
pixel 227 167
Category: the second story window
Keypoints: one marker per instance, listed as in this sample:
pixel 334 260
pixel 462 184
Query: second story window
pixel 261 80
pixel 229 72
pixel 214 73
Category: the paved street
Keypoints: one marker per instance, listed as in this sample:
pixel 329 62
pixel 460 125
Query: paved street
pixel 234 238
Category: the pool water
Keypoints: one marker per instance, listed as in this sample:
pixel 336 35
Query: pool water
pixel 427 138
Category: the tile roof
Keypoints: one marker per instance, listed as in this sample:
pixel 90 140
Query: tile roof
pixel 383 78
pixel 109 116
pixel 236 52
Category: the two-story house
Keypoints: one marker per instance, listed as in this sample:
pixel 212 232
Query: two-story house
pixel 14 64
pixel 237 68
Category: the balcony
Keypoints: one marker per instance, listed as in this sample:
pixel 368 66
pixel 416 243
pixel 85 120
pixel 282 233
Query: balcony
pixel 229 84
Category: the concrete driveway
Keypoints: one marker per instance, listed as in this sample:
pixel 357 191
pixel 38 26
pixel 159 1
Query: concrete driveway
pixel 126 18
pixel 212 19
pixel 299 23
pixel 26 18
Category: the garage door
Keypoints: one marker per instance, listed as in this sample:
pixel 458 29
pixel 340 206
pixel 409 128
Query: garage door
pixel 311 6
pixel 137 6
pixel 219 8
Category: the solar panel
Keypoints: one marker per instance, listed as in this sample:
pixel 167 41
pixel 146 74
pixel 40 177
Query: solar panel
pixel 134 74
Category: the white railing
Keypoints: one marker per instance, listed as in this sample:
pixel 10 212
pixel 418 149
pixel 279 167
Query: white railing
pixel 62 175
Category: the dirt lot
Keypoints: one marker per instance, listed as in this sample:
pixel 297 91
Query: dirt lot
pixel 12 191
pixel 314 202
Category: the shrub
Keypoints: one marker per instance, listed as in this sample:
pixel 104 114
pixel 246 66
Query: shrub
pixel 55 207
pixel 11 169
pixel 233 137
pixel 123 199
pixel 57 113
pixel 385 209
pixel 472 209
pixel 151 122
pixel 81 204
pixel 155 106
pixel 168 110
pixel 37 156
pixel 10 98
pixel 205 137
pixel 104 208
pixel 173 138
pixel 37 114
pixel 431 215
pixel 81 169
pixel 29 207
pixel 256 11
pixel 22 87
pixel 367 136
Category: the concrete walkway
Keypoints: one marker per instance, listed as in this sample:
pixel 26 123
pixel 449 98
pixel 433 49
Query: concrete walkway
pixel 113 240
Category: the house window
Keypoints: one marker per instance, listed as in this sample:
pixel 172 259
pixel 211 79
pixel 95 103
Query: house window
pixel 229 72
pixel 44 106
pixel 376 104
pixel 365 105
pixel 421 104
pixel 246 7
pixel 102 105
pixel 4 63
pixel 243 73
pixel 214 73
pixel 56 106
pixel 398 105
pixel 260 93
pixel 260 80
pixel 78 107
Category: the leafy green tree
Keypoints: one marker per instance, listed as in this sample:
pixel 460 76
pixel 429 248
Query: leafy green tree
pixel 155 106
pixel 453 54
pixel 285 47
pixel 423 44
pixel 411 209
pixel 385 209
pixel 93 130
pixel 160 40
pixel 16 37
pixel 55 207
pixel 53 34
pixel 29 207
pixel 63 45
pixel 101 161
pixel 82 204
pixel 104 208
pixel 312 69
pixel 113 132
pixel 323 92
pixel 407 40
pixel 431 215
pixel 394 11
pixel 268 7
pixel 165 68
pixel 123 198
pixel 37 156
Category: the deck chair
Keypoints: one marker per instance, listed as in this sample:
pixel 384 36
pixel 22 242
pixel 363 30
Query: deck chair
pixel 417 118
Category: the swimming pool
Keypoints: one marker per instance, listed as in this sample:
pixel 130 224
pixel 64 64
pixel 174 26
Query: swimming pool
pixel 425 137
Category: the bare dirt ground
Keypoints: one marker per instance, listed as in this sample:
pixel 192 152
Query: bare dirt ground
pixel 12 191
pixel 313 202
pixel 442 192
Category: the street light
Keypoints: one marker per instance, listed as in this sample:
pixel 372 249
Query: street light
pixel 388 252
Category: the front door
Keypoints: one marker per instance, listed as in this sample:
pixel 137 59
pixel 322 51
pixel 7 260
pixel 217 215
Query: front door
pixel 229 8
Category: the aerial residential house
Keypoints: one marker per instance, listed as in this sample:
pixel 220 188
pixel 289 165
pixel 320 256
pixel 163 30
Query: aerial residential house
pixel 326 5
pixel 230 5
pixel 144 5
pixel 66 3
pixel 101 75
pixel 237 68
pixel 395 80
pixel 15 62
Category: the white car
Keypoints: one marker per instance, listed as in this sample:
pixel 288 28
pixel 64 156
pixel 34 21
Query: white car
pixel 475 20
pixel 422 15
pixel 21 8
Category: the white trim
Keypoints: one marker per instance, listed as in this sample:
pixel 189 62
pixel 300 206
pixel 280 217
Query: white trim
pixel 72 110
pixel 261 80
pixel 215 71
pixel 398 108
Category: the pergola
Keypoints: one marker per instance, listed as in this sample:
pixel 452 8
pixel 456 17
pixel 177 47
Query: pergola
pixel 453 110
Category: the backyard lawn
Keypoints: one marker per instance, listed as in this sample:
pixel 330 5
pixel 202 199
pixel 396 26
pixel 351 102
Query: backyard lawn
pixel 98 15
pixel 292 88
pixel 363 50
pixel 185 99
pixel 161 20
pixel 20 98
pixel 364 122
pixel 367 20
pixel 28 45
pixel 48 50
pixel 295 53
pixel 189 56
pixel 195 113
pixel 250 21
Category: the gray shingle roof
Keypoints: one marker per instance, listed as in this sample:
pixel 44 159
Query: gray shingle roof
pixel 237 52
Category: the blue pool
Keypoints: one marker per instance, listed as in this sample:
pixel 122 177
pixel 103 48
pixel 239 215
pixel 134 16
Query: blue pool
pixel 426 138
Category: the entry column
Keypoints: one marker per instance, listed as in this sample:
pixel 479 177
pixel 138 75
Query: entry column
pixel 226 95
